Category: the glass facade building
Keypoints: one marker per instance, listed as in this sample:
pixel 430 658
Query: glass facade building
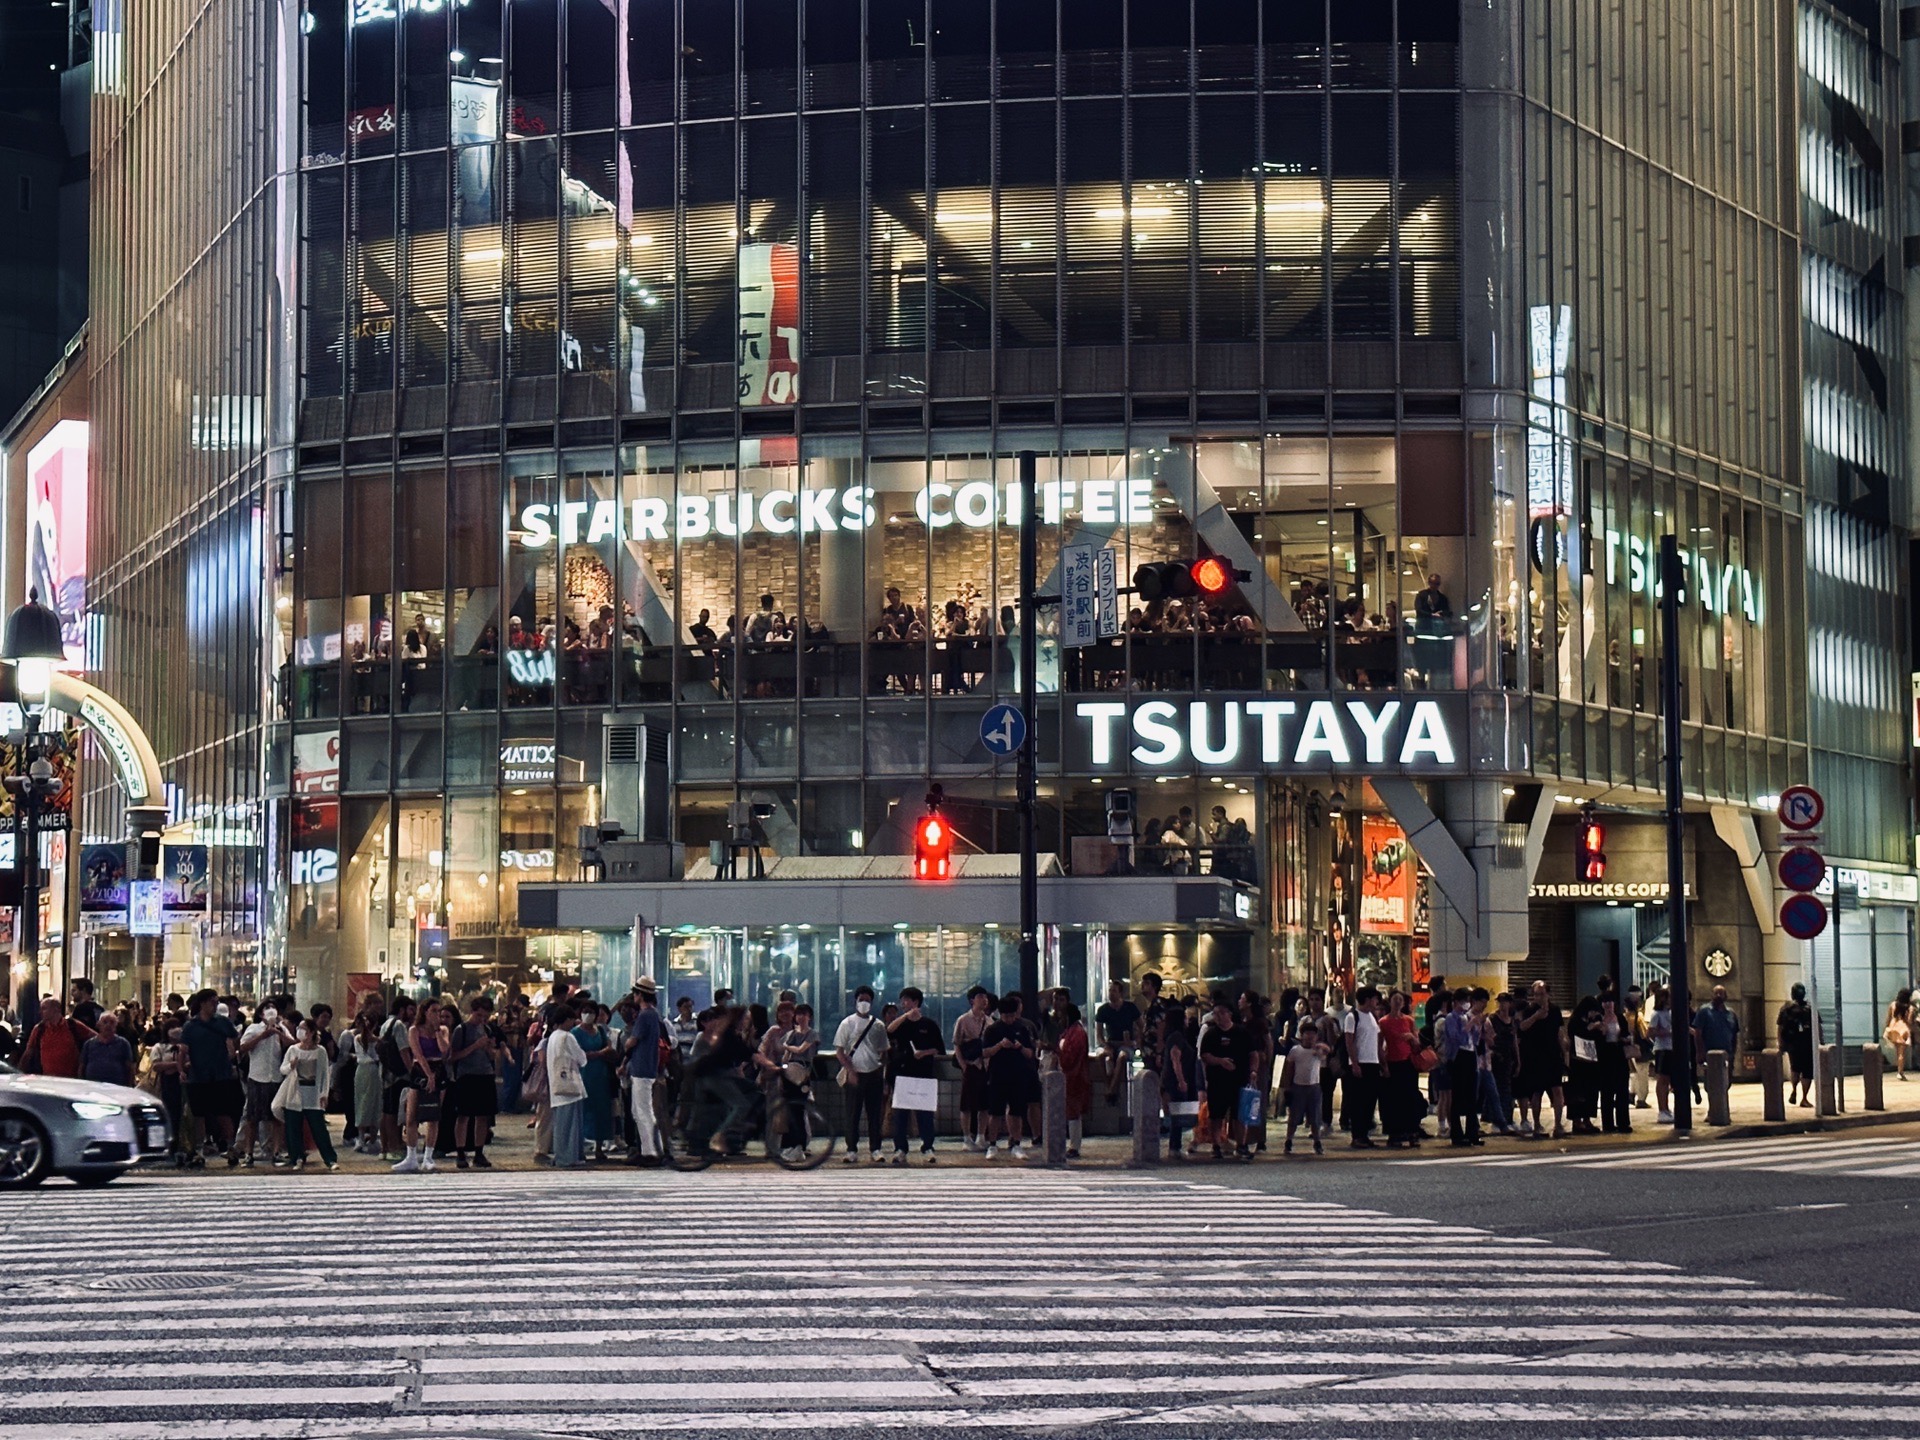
pixel 661 367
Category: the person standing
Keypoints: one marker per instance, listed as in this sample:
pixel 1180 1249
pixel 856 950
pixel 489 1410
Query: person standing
pixel 53 1045
pixel 1542 1063
pixel 1716 1028
pixel 1175 1054
pixel 969 1049
pixel 212 1044
pixel 1794 1030
pixel 367 1077
pixel 1459 1039
pixel 798 1050
pixel 1013 1074
pixel 306 1062
pixel 1503 1058
pixel 81 1004
pixel 426 1055
pixel 263 1043
pixel 645 1036
pixel 1583 1060
pixel 1612 1036
pixel 391 1047
pixel 1223 1058
pixel 476 1095
pixel 1401 1109
pixel 597 1045
pixel 861 1045
pixel 914 1037
pixel 1360 1028
pixel 1076 1069
pixel 1300 1083
pixel 106 1056
pixel 566 1087
pixel 1898 1031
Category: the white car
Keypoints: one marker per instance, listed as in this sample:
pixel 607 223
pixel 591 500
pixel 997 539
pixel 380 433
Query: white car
pixel 84 1130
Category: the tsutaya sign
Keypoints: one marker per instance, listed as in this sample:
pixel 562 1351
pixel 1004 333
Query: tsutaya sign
pixel 1722 587
pixel 1267 732
pixel 974 504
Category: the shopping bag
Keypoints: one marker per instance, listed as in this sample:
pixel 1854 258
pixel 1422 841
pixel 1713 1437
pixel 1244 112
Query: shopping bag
pixel 1202 1122
pixel 1184 1109
pixel 1253 1109
pixel 1585 1049
pixel 910 1092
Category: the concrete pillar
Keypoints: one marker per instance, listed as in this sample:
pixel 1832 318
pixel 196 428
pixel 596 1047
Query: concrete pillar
pixel 1872 1078
pixel 1719 1072
pixel 1826 1086
pixel 1145 1091
pixel 1053 1116
pixel 848 598
pixel 1773 1089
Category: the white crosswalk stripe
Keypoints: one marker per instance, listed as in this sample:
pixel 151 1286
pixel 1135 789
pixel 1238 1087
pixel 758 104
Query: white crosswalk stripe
pixel 747 1302
pixel 1867 1156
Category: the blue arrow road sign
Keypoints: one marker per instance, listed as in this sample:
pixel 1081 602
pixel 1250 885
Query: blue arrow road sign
pixel 1003 730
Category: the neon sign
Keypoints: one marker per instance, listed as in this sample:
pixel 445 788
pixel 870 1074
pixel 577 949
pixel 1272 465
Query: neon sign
pixel 1270 733
pixel 1719 586
pixel 972 504
pixel 365 12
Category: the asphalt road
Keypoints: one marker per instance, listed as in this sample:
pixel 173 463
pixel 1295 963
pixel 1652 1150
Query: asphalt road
pixel 1653 1292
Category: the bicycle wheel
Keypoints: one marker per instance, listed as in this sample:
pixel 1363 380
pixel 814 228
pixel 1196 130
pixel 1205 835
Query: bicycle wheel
pixel 808 1151
pixel 680 1155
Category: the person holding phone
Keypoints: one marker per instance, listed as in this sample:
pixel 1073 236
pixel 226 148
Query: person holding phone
pixel 1013 1075
pixel 969 1048
pixel 861 1043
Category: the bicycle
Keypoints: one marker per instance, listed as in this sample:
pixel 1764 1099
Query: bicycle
pixel 808 1151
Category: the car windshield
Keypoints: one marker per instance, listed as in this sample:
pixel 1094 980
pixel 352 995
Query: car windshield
pixel 6 1069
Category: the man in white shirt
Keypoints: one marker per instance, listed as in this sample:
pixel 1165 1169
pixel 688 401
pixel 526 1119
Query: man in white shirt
pixel 261 1046
pixel 861 1043
pixel 1361 1027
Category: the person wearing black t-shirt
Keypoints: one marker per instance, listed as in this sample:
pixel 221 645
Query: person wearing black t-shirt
pixel 1013 1074
pixel 1223 1067
pixel 915 1048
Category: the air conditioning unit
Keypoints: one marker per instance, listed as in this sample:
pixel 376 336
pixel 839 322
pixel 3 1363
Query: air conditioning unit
pixel 634 789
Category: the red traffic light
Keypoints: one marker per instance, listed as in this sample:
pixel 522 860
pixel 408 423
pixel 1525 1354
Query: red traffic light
pixel 1211 575
pixel 1591 859
pixel 932 850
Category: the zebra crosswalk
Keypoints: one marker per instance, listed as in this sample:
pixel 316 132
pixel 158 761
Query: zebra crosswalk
pixel 1875 1157
pixel 737 1303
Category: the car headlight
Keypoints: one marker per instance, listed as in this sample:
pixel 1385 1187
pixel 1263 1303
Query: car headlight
pixel 95 1109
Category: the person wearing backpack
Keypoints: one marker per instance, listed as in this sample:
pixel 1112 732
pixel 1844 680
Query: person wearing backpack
pixel 1794 1029
pixel 391 1048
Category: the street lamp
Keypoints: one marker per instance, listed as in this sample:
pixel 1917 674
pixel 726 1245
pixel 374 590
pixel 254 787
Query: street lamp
pixel 33 646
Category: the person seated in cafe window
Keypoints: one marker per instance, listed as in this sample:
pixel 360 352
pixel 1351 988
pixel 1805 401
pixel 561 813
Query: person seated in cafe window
pixel 701 630
pixel 896 614
pixel 489 641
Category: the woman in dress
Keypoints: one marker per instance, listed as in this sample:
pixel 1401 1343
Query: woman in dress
pixel 596 1043
pixel 366 1080
pixel 1899 1031
pixel 1072 1051
pixel 1401 1108
pixel 426 1057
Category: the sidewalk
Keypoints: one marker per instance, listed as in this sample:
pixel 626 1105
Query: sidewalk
pixel 512 1148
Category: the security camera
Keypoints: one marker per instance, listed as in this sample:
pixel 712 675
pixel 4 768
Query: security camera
pixel 1336 803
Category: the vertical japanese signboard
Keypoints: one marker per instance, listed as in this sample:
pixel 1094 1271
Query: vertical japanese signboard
pixel 769 334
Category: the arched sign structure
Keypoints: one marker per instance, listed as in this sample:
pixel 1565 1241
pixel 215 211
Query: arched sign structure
pixel 118 732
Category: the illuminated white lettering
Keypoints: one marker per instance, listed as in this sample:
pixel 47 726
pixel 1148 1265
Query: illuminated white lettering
pixel 1204 750
pixel 1427 735
pixel 1270 714
pixel 816 511
pixel 857 504
pixel 1096 499
pixel 693 517
pixel 1139 501
pixel 923 506
pixel 973 504
pixel 1374 727
pixel 605 522
pixel 570 513
pixel 649 518
pixel 1161 742
pixel 534 521
pixel 1104 714
pixel 1322 735
pixel 775 519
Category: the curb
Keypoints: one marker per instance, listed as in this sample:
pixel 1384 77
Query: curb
pixel 1853 1120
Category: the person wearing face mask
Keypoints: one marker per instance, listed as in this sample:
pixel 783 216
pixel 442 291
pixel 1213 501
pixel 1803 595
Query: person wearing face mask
pixel 861 1043
pixel 262 1045
pixel 307 1063
pixel 1460 1044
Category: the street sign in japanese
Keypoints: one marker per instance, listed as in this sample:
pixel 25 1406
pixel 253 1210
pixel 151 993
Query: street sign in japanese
pixel 1089 594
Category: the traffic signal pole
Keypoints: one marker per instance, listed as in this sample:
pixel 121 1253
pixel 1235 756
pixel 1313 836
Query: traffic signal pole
pixel 1025 779
pixel 1673 580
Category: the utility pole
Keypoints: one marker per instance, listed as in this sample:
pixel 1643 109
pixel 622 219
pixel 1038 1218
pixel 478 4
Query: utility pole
pixel 1025 781
pixel 1673 579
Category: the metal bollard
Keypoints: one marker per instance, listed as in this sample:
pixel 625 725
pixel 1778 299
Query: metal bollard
pixel 1872 1078
pixel 1773 1085
pixel 1718 1074
pixel 1053 1116
pixel 1146 1119
pixel 1826 1074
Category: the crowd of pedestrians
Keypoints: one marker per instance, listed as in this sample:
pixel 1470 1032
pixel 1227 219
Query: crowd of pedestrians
pixel 422 1083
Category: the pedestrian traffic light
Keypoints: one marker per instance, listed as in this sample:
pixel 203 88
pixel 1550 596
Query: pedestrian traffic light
pixel 1591 858
pixel 933 842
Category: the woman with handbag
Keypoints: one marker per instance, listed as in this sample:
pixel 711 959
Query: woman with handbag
pixel 308 1073
pixel 426 1052
pixel 799 1047
pixel 566 1088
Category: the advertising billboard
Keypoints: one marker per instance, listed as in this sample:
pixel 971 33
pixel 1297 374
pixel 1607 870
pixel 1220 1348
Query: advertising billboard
pixel 1388 878
pixel 57 530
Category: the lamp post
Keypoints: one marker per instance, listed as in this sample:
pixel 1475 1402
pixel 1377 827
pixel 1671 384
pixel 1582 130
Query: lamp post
pixel 33 646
